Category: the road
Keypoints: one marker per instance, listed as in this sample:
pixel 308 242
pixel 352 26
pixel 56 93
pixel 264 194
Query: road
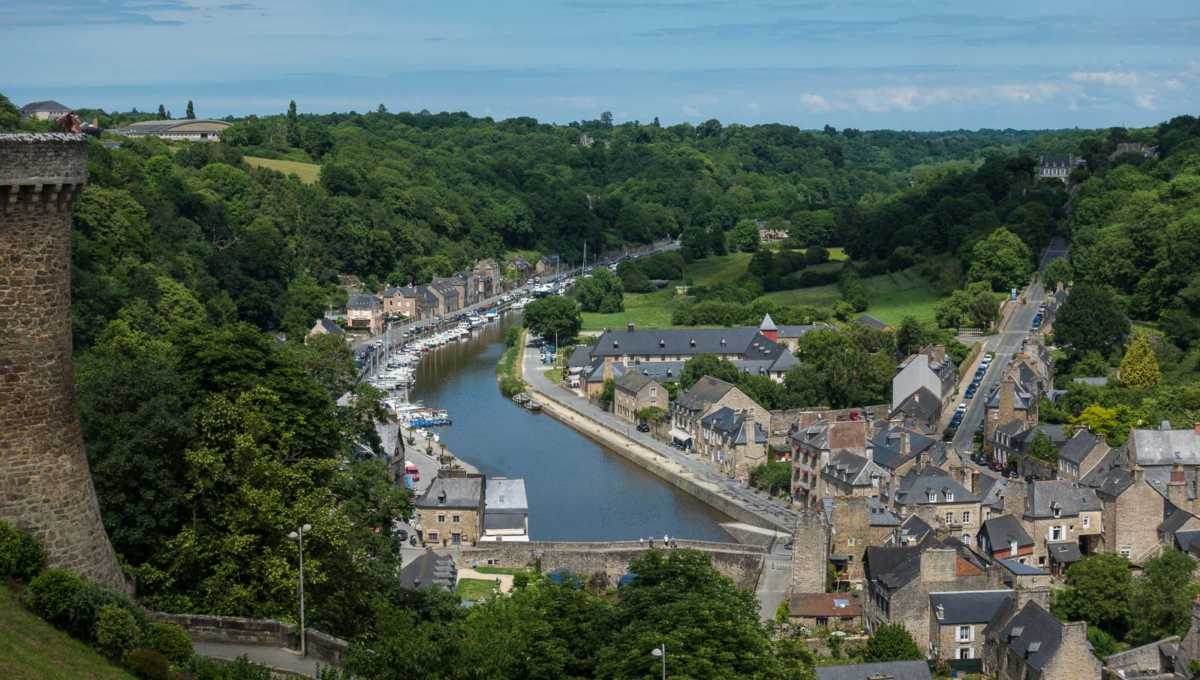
pixel 1005 345
pixel 762 505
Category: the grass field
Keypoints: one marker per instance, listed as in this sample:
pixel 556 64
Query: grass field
pixel 511 571
pixel 31 649
pixel 475 588
pixel 892 296
pixel 307 172
pixel 646 310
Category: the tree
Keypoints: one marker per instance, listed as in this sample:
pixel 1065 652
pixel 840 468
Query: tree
pixel 1091 320
pixel 1098 591
pixel 293 125
pixel 772 477
pixel 191 111
pixel 1002 260
pixel 1058 271
pixel 10 115
pixel 162 112
pixel 745 236
pixel 982 307
pixel 951 311
pixel 1161 598
pixel 1043 449
pixel 1098 419
pixel 606 120
pixel 910 336
pixel 555 318
pixel 891 642
pixel 601 293
pixel 633 278
pixel 1139 368
pixel 707 364
pixel 815 254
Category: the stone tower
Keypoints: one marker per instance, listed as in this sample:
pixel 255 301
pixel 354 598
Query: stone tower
pixel 810 552
pixel 45 484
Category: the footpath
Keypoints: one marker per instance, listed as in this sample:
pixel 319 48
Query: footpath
pixel 687 472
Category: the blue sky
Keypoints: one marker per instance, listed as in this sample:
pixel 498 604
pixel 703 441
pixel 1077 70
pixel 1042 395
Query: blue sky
pixel 858 63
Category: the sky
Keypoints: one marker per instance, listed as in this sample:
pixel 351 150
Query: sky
pixel 920 65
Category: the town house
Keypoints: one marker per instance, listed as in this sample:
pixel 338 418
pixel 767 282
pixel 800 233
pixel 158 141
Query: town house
pixel 1065 521
pixel 633 392
pixel 939 500
pixel 813 443
pixel 1080 454
pixel 1132 507
pixel 364 312
pixel 734 441
pixel 746 347
pixel 1026 642
pixel 451 510
pixel 928 374
pixel 708 395
pixel 402 301
pixel 1016 400
pixel 957 621
pixel 856 522
pixel 1004 538
pixel 850 474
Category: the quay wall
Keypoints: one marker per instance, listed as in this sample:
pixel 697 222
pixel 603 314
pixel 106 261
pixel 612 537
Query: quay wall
pixel 741 563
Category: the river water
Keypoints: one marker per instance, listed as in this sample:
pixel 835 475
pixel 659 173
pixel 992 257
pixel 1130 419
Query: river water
pixel 577 489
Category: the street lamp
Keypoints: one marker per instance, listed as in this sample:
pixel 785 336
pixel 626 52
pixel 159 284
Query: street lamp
pixel 298 535
pixel 661 652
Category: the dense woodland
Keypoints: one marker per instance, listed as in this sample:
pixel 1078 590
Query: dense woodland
pixel 210 439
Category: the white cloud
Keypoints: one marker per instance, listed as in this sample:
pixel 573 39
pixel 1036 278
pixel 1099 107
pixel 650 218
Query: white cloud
pixel 814 102
pixel 883 99
pixel 1173 84
pixel 1109 78
pixel 1145 101
pixel 1023 92
pixel 689 110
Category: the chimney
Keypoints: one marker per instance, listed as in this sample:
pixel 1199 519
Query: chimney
pixel 904 443
pixel 1177 487
pixel 938 565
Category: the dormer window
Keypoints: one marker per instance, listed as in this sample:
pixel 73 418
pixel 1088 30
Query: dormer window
pixel 932 496
pixel 948 494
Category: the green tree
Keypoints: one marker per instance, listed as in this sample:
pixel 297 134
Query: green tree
pixel 293 125
pixel 1139 367
pixel 911 335
pixel 1058 271
pixel 10 115
pixel 1043 449
pixel 772 477
pixel 633 278
pixel 1002 260
pixel 745 236
pixel 891 642
pixel 1098 591
pixel 191 111
pixel 554 318
pixel 1091 320
pixel 707 364
pixel 951 311
pixel 162 112
pixel 601 293
pixel 1161 598
pixel 982 307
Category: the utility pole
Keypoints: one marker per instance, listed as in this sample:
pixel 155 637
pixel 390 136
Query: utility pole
pixel 298 535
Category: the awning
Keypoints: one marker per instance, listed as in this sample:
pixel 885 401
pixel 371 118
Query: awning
pixel 679 435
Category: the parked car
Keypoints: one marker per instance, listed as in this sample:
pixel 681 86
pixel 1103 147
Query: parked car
pixel 643 427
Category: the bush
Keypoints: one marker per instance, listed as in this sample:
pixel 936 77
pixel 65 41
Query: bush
pixel 86 606
pixel 117 631
pixel 171 641
pixel 21 556
pixel 52 596
pixel 148 664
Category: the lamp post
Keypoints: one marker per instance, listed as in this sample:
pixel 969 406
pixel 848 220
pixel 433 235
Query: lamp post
pixel 661 652
pixel 298 535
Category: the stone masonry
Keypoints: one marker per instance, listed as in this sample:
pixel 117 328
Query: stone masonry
pixel 45 484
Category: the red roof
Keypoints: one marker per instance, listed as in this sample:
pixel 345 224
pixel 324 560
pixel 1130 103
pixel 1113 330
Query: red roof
pixel 825 604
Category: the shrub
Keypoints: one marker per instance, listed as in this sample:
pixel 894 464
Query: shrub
pixel 52 596
pixel 171 641
pixel 116 631
pixel 21 556
pixel 86 606
pixel 148 664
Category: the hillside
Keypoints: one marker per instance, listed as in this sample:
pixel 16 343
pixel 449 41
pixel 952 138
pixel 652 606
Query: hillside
pixel 31 649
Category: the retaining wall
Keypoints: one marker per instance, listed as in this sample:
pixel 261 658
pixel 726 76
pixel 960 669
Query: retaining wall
pixel 258 633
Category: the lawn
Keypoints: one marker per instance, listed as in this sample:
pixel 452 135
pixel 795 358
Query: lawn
pixel 511 571
pixel 893 296
pixel 645 310
pixel 718 268
pixel 307 172
pixel 31 649
pixel 475 589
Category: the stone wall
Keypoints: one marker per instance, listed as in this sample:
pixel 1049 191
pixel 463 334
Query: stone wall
pixel 742 563
pixel 257 633
pixel 810 553
pixel 46 486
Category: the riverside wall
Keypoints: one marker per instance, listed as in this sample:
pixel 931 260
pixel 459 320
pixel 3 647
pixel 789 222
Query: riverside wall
pixel 739 562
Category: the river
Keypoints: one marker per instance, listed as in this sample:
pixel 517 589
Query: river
pixel 577 489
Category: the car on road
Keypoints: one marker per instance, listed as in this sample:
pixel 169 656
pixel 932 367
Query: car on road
pixel 643 427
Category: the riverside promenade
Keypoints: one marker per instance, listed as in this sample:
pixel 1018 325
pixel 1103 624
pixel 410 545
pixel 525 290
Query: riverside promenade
pixel 684 471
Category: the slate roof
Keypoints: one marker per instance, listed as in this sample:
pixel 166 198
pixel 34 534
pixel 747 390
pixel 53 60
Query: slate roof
pixel 504 494
pixel 503 521
pixel 1159 447
pixel 1034 634
pixel 632 382
pixel 870 322
pixel 851 468
pixel 746 342
pixel 832 434
pixel 1066 552
pixel 917 486
pixel 707 391
pixel 915 528
pixel 768 324
pixel 922 405
pixel 429 569
pixel 786 331
pixel 732 424
pixel 1077 448
pixel 880 515
pixel 1002 531
pixel 967 606
pixel 44 106
pixel 1021 569
pixel 1096 381
pixel 1070 497
pixel 329 327
pixel 894 670
pixel 460 492
pixel 580 357
pixel 896 566
pixel 886 446
pixel 362 301
pixel 993 490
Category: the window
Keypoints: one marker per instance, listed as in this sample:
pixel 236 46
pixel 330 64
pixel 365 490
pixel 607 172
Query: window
pixel 1056 533
pixel 441 518
pixel 949 518
pixel 456 518
pixel 1012 547
pixel 653 392
pixel 965 634
pixel 433 537
pixel 949 496
pixel 966 516
pixel 1087 521
pixel 932 496
pixel 1126 551
pixel 456 538
pixel 965 653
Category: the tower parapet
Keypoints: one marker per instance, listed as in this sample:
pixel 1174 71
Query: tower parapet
pixel 45 483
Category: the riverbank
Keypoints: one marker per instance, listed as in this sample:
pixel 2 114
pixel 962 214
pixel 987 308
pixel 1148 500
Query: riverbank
pixel 724 496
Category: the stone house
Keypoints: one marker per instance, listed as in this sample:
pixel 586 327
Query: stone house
pixel 1018 398
pixel 900 579
pixel 489 280
pixel 941 501
pixel 365 312
pixel 1180 529
pixel 749 350
pixel 446 297
pixel 1159 452
pixel 880 670
pixel 1010 444
pixel 810 563
pixel 402 301
pixel 898 449
pixel 957 620
pixel 813 444
pixel 1132 509
pixel 856 522
pixel 1080 454
pixel 930 370
pixel 1003 538
pixel 1012 574
pixel 635 391
pixel 1065 520
pixel 451 511
pixel 734 441
pixel 833 611
pixel 1026 642
pixel 325 327
pixel 44 110
pixel 708 395
pixel 850 474
pixel 1058 167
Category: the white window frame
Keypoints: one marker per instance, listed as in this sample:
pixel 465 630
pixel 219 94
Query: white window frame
pixel 949 496
pixel 970 653
pixel 966 517
pixel 1126 551
pixel 1061 533
pixel 958 634
pixel 1087 522
pixel 441 518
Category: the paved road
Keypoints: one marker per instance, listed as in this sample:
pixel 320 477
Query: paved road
pixel 760 504
pixel 1005 345
pixel 775 582
pixel 277 658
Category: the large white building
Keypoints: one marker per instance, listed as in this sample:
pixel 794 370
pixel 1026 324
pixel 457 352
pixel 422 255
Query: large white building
pixel 186 129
